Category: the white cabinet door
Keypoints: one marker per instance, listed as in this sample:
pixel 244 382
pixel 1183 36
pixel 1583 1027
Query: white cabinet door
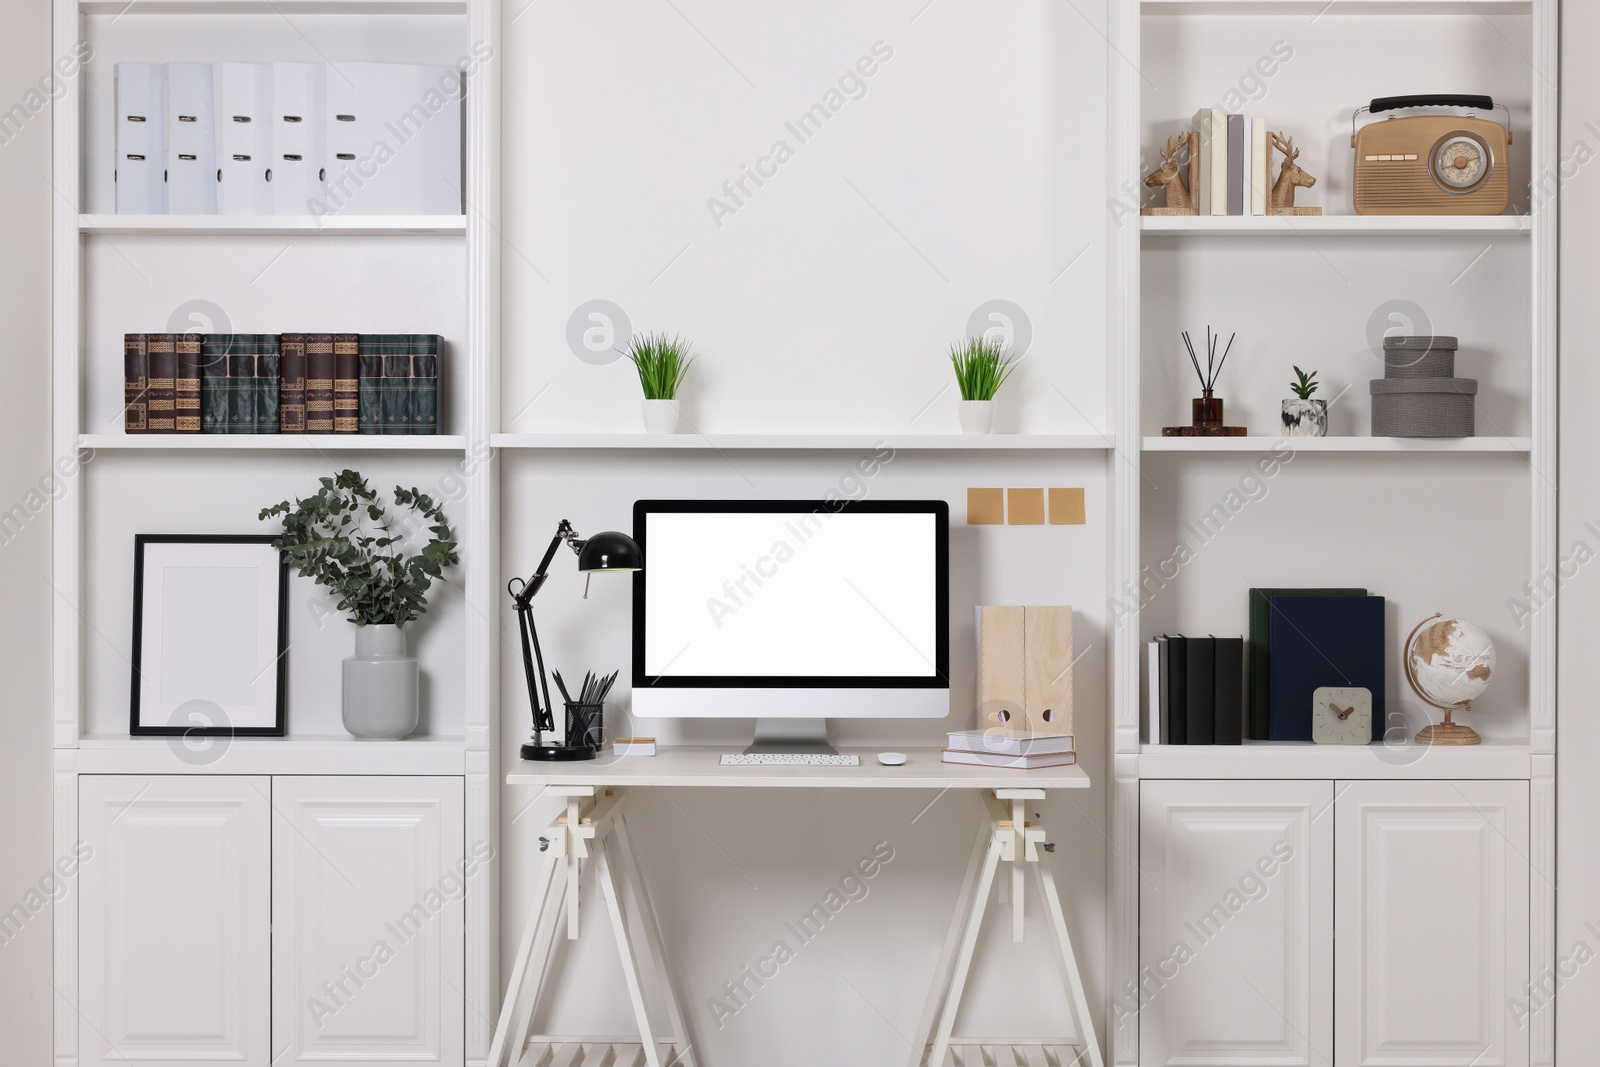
pixel 367 919
pixel 1235 925
pixel 174 953
pixel 1432 923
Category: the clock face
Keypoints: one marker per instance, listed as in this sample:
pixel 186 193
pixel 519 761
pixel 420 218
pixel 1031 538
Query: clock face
pixel 1341 716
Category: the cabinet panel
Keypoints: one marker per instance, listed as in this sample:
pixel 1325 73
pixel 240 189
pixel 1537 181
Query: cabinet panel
pixel 1236 924
pixel 1432 923
pixel 367 911
pixel 174 938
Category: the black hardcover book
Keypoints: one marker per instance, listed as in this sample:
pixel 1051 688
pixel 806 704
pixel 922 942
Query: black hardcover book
pixel 1230 690
pixel 1202 690
pixel 1164 683
pixel 1178 690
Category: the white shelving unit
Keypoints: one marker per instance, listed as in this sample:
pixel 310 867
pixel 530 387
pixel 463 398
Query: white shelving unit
pixel 814 442
pixel 1314 445
pixel 1298 290
pixel 121 273
pixel 1334 226
pixel 328 443
pixel 272 225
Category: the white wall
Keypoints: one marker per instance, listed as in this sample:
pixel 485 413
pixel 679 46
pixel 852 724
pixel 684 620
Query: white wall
pixel 1577 1004
pixel 971 168
pixel 25 856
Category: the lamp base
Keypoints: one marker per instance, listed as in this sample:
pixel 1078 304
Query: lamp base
pixel 556 753
pixel 1448 733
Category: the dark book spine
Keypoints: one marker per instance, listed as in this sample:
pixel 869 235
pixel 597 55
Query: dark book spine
pixel 1229 701
pixel 346 383
pixel 1164 689
pixel 1202 690
pixel 396 417
pixel 1178 691
pixel 265 384
pixel 292 383
pixel 424 392
pixel 162 412
pixel 370 388
pixel 319 382
pixel 135 383
pixel 214 382
pixel 242 386
pixel 187 386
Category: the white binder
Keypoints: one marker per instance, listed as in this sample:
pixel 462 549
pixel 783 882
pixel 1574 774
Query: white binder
pixel 191 140
pixel 141 148
pixel 243 138
pixel 298 141
pixel 394 139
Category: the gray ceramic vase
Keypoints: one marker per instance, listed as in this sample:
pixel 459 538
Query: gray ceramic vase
pixel 380 686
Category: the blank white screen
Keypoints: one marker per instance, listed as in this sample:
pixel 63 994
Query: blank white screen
pixel 790 594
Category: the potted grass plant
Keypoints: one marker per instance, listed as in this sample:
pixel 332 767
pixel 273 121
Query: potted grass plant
pixel 1303 416
pixel 982 366
pixel 344 538
pixel 662 363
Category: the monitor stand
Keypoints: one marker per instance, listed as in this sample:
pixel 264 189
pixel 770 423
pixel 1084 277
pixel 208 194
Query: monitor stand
pixel 791 735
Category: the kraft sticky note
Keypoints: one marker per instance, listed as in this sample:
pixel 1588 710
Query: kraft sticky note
pixel 1025 507
pixel 986 507
pixel 1066 507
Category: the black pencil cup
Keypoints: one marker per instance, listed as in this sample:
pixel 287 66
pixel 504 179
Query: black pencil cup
pixel 585 725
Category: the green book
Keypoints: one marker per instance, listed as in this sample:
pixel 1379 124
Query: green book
pixel 392 351
pixel 1261 653
pixel 424 403
pixel 265 384
pixel 241 385
pixel 369 389
pixel 214 388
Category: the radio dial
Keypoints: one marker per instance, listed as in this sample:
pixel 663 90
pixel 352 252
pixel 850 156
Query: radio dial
pixel 1461 162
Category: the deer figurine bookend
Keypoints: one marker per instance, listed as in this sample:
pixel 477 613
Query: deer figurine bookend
pixel 1281 199
pixel 1180 193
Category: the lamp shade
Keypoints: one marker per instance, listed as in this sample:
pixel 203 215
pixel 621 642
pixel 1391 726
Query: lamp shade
pixel 610 551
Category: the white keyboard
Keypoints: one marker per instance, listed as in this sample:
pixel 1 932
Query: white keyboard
pixel 790 759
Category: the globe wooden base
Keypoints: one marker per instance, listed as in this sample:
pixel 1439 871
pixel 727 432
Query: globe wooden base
pixel 1448 733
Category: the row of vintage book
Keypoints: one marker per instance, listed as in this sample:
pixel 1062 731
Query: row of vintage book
pixel 290 383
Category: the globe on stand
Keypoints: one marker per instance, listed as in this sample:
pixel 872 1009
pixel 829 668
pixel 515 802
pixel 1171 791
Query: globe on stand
pixel 1449 663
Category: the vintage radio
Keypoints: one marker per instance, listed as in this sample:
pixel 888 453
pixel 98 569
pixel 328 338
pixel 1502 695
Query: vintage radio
pixel 1431 164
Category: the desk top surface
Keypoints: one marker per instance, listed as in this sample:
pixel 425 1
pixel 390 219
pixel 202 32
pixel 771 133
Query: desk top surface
pixel 698 768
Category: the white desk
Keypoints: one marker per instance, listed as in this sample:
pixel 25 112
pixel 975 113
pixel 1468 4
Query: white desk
pixel 697 768
pixel 593 826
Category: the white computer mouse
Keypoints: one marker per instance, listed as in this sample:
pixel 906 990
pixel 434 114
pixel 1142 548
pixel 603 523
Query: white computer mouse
pixel 891 759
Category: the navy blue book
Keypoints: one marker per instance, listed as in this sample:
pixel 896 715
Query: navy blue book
pixel 1323 641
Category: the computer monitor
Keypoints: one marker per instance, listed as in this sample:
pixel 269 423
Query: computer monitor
pixel 792 612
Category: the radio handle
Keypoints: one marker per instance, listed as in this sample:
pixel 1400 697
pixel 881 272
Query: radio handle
pixel 1394 103
pixel 1391 103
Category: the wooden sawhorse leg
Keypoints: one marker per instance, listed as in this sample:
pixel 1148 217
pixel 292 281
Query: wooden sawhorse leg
pixel 1004 836
pixel 591 828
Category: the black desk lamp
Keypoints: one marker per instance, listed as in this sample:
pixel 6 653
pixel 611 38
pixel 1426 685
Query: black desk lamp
pixel 609 551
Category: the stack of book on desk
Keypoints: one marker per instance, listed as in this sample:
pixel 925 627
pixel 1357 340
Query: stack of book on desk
pixel 1010 748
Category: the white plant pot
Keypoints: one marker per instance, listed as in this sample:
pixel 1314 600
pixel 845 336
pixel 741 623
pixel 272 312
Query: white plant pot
pixel 1305 418
pixel 977 416
pixel 660 416
pixel 380 686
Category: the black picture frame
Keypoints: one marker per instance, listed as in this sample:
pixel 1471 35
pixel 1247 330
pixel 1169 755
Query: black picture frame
pixel 279 728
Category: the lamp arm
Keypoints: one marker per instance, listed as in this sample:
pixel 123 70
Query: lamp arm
pixel 532 655
pixel 543 717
